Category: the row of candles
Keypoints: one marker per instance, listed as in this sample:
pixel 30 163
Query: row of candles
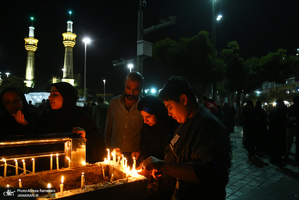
pixel 123 162
pixel 33 165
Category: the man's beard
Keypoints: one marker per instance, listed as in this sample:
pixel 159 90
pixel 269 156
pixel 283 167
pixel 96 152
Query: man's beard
pixel 131 97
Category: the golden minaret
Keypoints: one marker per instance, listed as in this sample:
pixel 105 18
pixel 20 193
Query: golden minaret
pixel 30 46
pixel 69 41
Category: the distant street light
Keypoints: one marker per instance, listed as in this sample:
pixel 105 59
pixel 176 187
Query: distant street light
pixel 130 65
pixel 7 74
pixel 104 88
pixel 219 17
pixel 86 41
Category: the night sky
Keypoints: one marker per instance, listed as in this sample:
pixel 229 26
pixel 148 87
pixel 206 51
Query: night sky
pixel 258 26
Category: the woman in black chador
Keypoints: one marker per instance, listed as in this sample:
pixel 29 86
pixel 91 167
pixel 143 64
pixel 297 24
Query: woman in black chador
pixel 16 117
pixel 157 131
pixel 64 116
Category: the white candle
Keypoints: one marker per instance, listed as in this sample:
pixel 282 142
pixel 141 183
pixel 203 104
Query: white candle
pixel 57 162
pixel 16 166
pixel 134 164
pixel 108 156
pixel 33 165
pixel 24 166
pixel 122 162
pixel 61 185
pixel 69 161
pixel 20 183
pixel 49 186
pixel 118 161
pixel 111 179
pixel 51 162
pixel 82 180
pixel 103 172
pixel 114 156
pixel 5 167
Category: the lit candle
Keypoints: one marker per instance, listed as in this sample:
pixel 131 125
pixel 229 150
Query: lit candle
pixel 20 183
pixel 122 162
pixel 114 156
pixel 49 186
pixel 16 166
pixel 108 156
pixel 7 186
pixel 118 160
pixel 69 161
pixel 134 164
pixel 57 161
pixel 61 185
pixel 111 179
pixel 24 166
pixel 103 171
pixel 105 161
pixel 51 162
pixel 126 163
pixel 82 180
pixel 5 167
pixel 33 165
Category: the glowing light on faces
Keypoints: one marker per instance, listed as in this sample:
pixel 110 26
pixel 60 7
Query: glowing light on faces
pixel 55 99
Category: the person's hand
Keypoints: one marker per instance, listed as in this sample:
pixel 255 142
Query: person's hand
pixel 19 117
pixel 80 131
pixel 145 172
pixel 135 155
pixel 118 152
pixel 152 163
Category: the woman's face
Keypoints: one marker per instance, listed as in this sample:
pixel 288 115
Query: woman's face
pixel 149 119
pixel 55 99
pixel 12 102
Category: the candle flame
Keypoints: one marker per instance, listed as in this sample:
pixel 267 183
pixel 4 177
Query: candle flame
pixel 82 173
pixel 57 154
pixel 7 186
pixel 19 180
pixel 16 160
pixel 68 158
pixel 51 155
pixel 49 185
pixel 32 159
pixel 83 163
pixel 23 160
pixel 62 179
pixel 3 160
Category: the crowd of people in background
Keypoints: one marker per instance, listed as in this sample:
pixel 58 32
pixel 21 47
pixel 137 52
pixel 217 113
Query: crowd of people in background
pixel 182 145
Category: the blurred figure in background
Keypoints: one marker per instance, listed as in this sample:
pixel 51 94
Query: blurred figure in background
pixel 277 132
pixel 292 128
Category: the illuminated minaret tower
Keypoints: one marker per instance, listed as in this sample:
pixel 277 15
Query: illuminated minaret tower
pixel 30 46
pixel 69 41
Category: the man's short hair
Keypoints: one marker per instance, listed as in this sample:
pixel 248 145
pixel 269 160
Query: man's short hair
pixel 174 88
pixel 135 76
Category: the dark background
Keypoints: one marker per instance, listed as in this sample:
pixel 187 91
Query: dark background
pixel 258 26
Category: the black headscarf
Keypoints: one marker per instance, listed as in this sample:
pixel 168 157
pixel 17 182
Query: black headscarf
pixel 20 94
pixel 70 96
